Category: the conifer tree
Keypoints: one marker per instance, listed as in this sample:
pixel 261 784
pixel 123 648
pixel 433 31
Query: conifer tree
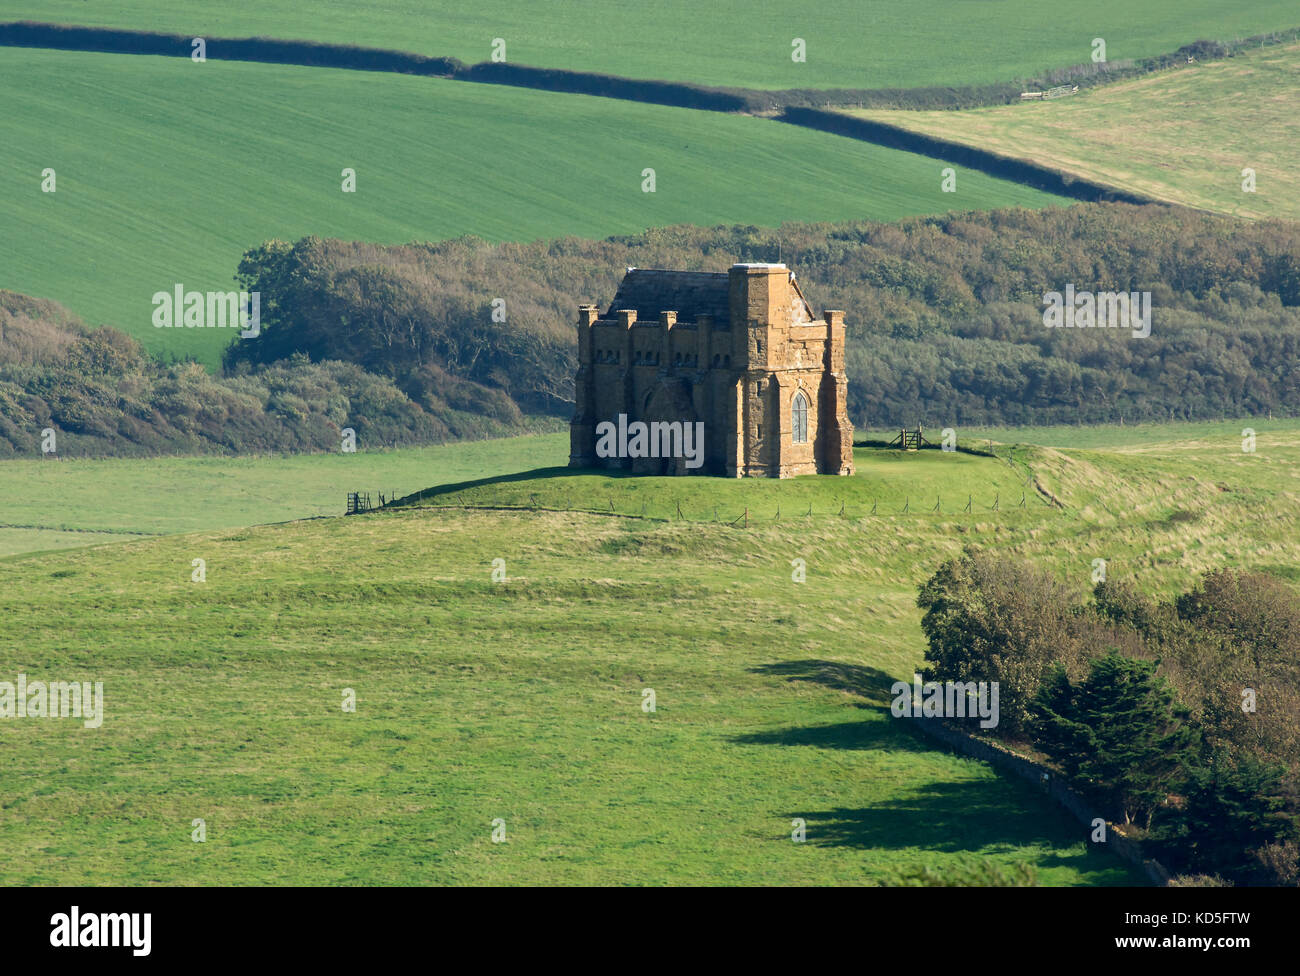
pixel 1119 734
pixel 1232 807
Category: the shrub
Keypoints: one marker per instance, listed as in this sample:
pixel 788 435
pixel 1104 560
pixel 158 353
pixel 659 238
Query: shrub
pixel 1118 734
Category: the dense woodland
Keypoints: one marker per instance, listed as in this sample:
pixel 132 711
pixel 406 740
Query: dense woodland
pixel 944 313
pixel 945 318
pixel 103 395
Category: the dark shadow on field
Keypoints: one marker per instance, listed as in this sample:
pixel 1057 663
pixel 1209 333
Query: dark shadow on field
pixel 984 816
pixel 981 816
pixel 971 818
pixel 946 817
pixel 968 818
pixel 879 445
pixel 871 684
pixel 887 735
pixel 503 479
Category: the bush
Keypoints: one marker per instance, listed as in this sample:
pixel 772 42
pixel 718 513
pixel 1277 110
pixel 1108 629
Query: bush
pixel 1233 821
pixel 1118 734
pixel 989 618
pixel 104 395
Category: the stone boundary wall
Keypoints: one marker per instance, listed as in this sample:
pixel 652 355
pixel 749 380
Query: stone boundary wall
pixel 1056 787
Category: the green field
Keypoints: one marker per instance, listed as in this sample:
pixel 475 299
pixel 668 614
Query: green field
pixel 111 500
pixel 895 482
pixel 168 170
pixel 851 43
pixel 521 700
pixel 1175 436
pixel 108 500
pixel 1182 135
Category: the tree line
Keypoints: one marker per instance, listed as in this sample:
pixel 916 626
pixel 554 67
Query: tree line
pixel 466 338
pixel 102 394
pixel 1178 718
pixel 945 314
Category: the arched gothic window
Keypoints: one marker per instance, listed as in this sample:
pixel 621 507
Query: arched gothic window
pixel 799 418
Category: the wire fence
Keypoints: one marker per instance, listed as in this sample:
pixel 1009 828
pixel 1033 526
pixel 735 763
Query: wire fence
pixel 677 511
pixel 1031 493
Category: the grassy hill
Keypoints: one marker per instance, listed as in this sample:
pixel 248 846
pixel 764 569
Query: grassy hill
pixel 1179 135
pixel 851 43
pixel 112 500
pixel 168 170
pixel 1161 503
pixel 521 700
pixel 891 480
